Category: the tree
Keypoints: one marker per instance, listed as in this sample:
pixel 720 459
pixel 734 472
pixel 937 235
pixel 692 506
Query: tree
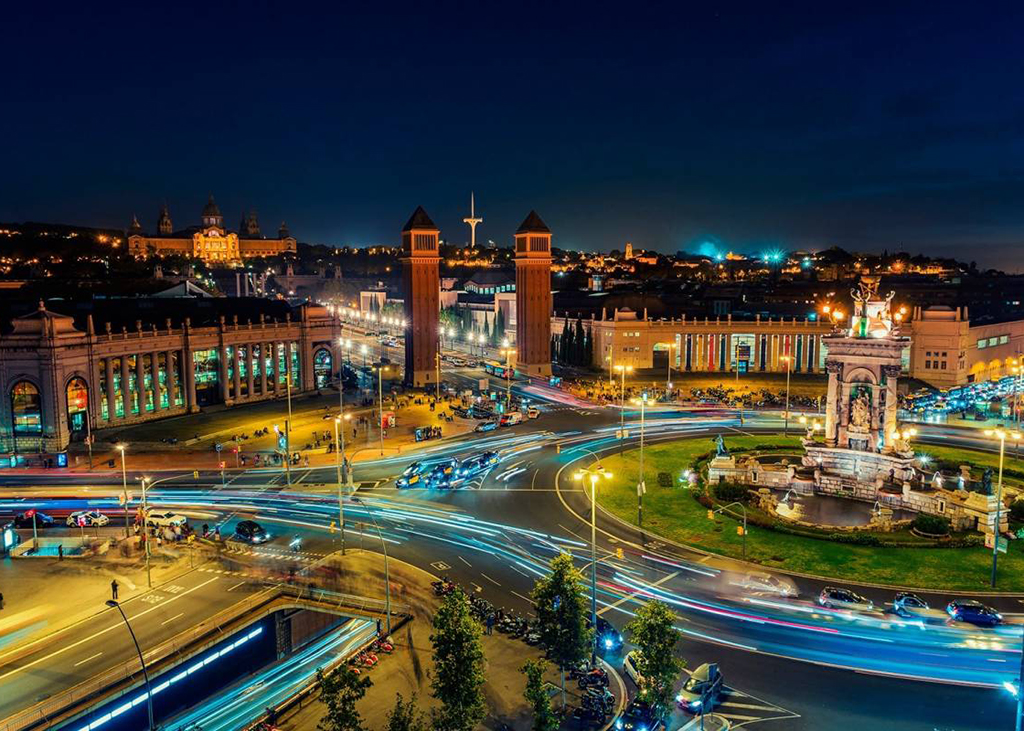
pixel 579 342
pixel 499 327
pixel 655 637
pixel 565 344
pixel 339 691
pixel 544 718
pixel 458 666
pixel 588 352
pixel 404 717
pixel 562 614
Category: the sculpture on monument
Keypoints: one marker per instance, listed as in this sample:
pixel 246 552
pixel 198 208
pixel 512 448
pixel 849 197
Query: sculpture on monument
pixel 860 413
pixel 720 449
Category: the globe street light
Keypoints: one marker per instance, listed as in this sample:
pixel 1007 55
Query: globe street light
pixel 1002 435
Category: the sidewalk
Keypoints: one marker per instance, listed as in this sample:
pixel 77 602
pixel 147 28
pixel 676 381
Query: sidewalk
pixel 312 431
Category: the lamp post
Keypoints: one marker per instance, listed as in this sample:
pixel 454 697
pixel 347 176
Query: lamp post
pixel 288 423
pixel 124 487
pixel 381 370
pixel 508 373
pixel 1002 435
pixel 595 473
pixel 387 575
pixel 145 533
pixel 623 370
pixel 145 673
pixel 788 360
pixel 339 457
pixel 641 486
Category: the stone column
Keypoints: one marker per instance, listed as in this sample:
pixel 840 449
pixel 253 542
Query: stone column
pixel 891 373
pixel 108 365
pixel 126 390
pixel 835 370
pixel 140 381
pixel 277 366
pixel 188 370
pixel 154 360
pixel 237 357
pixel 222 367
pixel 171 384
pixel 876 417
pixel 264 349
pixel 249 362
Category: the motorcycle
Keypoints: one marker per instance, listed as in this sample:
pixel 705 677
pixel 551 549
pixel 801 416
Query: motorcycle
pixel 595 678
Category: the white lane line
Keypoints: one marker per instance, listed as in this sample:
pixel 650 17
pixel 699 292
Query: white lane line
pixel 632 595
pixel 490 579
pixel 93 636
pixel 526 598
pixel 737 717
pixel 179 614
pixel 237 573
pixel 465 561
pixel 91 657
pixel 749 706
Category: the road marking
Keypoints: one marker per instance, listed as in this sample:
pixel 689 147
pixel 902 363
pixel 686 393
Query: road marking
pixel 465 561
pixel 525 598
pixel 93 636
pixel 440 565
pixel 752 706
pixel 91 657
pixel 179 614
pixel 490 579
pixel 476 587
pixel 237 573
pixel 632 595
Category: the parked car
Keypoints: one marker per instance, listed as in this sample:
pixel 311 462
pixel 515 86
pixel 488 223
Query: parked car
pixel 639 716
pixel 532 413
pixel 834 598
pixel 87 517
pixel 164 519
pixel 973 612
pixel 630 669
pixel 251 532
pixel 24 520
pixel 486 426
pixel 907 604
pixel 701 691
pixel 411 475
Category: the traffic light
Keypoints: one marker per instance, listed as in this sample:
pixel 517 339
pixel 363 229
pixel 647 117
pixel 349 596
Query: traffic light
pixel 739 530
pixel 711 515
pixel 619 553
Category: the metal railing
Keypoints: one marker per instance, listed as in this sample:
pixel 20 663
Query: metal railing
pixel 131 670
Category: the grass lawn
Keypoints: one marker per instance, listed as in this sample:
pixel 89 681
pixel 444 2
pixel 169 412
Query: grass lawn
pixel 672 512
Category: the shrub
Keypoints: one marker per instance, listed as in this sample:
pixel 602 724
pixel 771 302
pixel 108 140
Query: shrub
pixel 728 492
pixel 936 525
pixel 664 479
pixel 1017 510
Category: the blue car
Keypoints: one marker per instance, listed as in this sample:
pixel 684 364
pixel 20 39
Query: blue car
pixel 485 426
pixel 973 612
pixel 639 716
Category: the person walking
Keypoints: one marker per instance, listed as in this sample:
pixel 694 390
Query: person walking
pixel 60 552
pixel 113 589
pixel 490 623
pixel 1 600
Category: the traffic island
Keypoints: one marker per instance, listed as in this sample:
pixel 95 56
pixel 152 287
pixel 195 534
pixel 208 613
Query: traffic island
pixel 676 506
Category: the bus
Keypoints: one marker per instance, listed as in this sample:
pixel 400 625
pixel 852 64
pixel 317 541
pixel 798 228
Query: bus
pixel 500 370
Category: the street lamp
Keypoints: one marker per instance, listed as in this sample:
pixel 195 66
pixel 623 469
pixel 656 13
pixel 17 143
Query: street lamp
pixel 381 370
pixel 145 673
pixel 387 575
pixel 124 486
pixel 623 370
pixel 145 532
pixel 339 458
pixel 641 486
pixel 668 371
pixel 508 373
pixel 595 473
pixel 1002 435
pixel 788 361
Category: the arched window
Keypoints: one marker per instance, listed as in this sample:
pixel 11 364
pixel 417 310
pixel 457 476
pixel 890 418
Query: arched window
pixel 26 408
pixel 322 363
pixel 78 404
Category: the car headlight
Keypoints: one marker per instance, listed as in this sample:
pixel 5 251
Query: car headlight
pixel 608 642
pixel 618 723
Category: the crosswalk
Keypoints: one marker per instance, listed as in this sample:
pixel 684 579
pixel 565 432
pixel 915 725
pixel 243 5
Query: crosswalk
pixel 742 709
pixel 550 409
pixel 241 550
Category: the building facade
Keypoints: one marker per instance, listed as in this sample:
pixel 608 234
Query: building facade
pixel 948 350
pixel 61 384
pixel 211 241
pixel 704 345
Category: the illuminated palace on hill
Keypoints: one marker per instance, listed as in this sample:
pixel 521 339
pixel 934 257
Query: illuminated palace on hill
pixel 211 241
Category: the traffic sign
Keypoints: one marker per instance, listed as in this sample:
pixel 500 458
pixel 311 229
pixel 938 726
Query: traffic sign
pixel 218 446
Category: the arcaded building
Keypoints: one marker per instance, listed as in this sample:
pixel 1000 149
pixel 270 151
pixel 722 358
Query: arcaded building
pixel 61 382
pixel 211 241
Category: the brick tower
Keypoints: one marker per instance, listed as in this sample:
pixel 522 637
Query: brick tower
pixel 533 297
pixel 422 288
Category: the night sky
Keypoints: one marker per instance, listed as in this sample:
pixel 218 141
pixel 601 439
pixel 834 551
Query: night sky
pixel 669 125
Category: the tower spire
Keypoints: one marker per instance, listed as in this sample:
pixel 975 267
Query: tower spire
pixel 472 220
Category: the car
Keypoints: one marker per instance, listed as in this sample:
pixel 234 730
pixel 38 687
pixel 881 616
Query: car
pixel 759 582
pixel 629 667
pixel 24 520
pixel 87 517
pixel 973 612
pixel 477 463
pixel 511 419
pixel 251 532
pixel 411 475
pixel 834 598
pixel 701 690
pixel 532 413
pixel 486 426
pixel 907 604
pixel 442 473
pixel 639 716
pixel 608 638
pixel 164 519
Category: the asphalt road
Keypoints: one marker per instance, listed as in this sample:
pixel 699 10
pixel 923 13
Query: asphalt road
pixel 495 535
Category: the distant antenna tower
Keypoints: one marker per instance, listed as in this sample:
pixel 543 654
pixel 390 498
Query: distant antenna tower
pixel 472 221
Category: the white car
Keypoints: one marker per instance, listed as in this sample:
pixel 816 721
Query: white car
pixel 629 668
pixel 164 519
pixel 532 413
pixel 87 517
pixel 759 582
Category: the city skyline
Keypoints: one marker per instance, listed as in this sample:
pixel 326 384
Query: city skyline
pixel 668 127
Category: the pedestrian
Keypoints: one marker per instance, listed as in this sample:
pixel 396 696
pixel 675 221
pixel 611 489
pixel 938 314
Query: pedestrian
pixel 60 552
pixel 113 589
pixel 1 600
pixel 378 626
pixel 490 623
pixel 216 533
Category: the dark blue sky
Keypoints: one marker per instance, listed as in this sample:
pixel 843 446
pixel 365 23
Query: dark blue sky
pixel 664 124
